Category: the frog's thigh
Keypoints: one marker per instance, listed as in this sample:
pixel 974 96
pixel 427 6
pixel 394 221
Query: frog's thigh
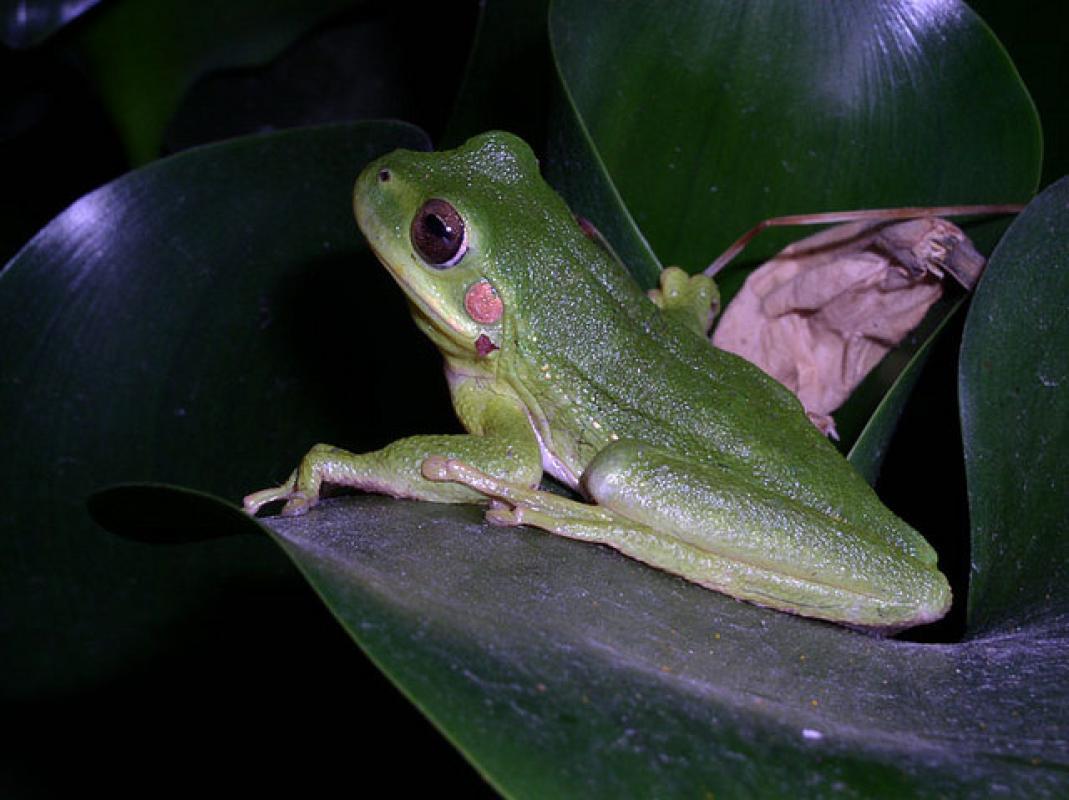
pixel 719 529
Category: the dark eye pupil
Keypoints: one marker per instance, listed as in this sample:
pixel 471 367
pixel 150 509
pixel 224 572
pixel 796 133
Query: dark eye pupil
pixel 436 226
pixel 438 234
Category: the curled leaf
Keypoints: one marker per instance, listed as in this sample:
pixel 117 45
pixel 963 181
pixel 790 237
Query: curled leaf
pixel 821 314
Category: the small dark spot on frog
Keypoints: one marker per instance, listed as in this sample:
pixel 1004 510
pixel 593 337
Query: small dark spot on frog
pixel 384 175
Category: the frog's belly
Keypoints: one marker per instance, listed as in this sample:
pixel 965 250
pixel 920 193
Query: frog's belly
pixel 551 462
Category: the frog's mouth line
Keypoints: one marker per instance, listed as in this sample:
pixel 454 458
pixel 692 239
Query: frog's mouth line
pixel 418 302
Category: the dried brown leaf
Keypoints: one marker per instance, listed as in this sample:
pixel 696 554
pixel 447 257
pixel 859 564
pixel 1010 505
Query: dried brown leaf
pixel 821 314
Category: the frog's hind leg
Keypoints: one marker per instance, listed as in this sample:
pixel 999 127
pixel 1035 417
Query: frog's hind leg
pixel 516 504
pixel 722 528
pixel 724 531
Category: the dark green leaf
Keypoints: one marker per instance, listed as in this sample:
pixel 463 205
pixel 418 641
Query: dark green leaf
pixel 348 69
pixel 183 324
pixel 1014 390
pixel 563 669
pixel 575 169
pixel 45 97
pixel 143 54
pixel 509 85
pixel 713 115
pixel 25 23
pixel 870 445
pixel 509 75
pixel 1038 42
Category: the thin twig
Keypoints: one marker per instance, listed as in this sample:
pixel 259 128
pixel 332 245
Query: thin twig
pixel 826 217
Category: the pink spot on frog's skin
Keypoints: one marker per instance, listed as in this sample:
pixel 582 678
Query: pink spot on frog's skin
pixel 483 304
pixel 592 233
pixel 587 227
pixel 483 345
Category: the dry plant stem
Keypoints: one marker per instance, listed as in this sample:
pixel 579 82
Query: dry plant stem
pixel 829 217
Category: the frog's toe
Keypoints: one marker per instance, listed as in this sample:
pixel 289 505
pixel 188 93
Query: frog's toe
pixel 504 514
pixel 298 503
pixel 252 503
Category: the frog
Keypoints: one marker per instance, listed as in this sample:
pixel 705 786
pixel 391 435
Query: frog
pixel 677 454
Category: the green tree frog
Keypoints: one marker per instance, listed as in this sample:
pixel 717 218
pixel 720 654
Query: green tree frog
pixel 691 459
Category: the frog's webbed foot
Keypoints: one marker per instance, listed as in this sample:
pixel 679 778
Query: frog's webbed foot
pixel 693 300
pixel 514 503
pixel 286 491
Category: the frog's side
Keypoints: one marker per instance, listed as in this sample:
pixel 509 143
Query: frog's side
pixel 697 462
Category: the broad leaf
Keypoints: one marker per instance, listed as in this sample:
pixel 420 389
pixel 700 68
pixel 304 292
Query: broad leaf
pixel 563 669
pixel 575 169
pixel 183 323
pixel 24 23
pixel 713 115
pixel 508 78
pixel 1014 389
pixel 143 54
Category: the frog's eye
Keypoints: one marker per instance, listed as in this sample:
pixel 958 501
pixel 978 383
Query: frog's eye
pixel 438 234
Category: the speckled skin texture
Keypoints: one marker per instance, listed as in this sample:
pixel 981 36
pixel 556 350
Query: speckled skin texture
pixel 702 464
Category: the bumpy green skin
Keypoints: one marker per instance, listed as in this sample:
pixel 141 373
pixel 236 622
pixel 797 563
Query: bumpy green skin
pixel 696 461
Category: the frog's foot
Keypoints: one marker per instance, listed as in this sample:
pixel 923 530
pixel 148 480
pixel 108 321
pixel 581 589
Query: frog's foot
pixel 691 299
pixel 257 500
pixel 301 489
pixel 513 503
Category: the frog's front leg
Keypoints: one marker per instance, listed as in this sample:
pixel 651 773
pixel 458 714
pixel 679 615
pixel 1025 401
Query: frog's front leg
pixel 692 300
pixel 721 529
pixel 501 443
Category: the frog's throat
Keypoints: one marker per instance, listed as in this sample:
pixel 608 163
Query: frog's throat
pixel 449 344
pixel 429 315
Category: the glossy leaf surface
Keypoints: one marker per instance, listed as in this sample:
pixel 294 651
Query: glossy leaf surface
pixel 24 23
pixel 713 115
pixel 194 301
pixel 564 669
pixel 1014 389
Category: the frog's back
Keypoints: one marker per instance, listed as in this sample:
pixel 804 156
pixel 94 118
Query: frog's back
pixel 614 366
pixel 646 376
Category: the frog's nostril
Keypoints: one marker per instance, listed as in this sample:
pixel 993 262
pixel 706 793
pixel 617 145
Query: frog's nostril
pixel 384 175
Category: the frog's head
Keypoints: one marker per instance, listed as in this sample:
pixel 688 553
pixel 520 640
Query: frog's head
pixel 444 224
